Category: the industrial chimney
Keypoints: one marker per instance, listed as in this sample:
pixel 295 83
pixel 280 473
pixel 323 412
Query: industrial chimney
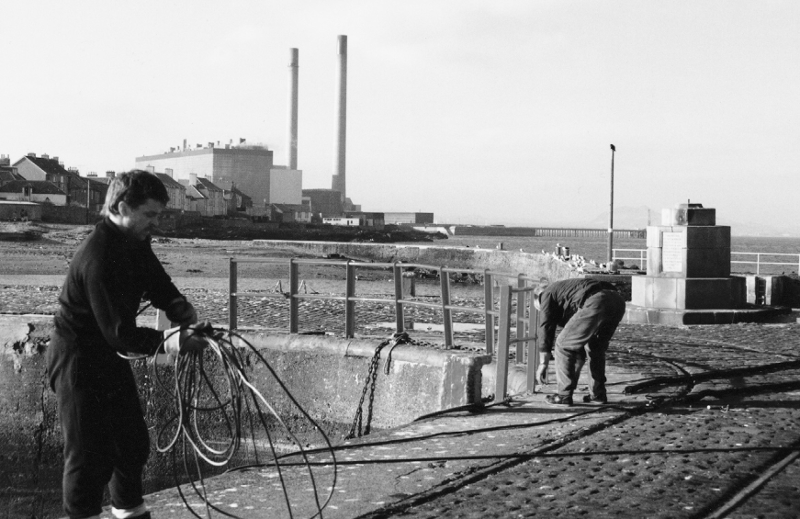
pixel 339 181
pixel 294 63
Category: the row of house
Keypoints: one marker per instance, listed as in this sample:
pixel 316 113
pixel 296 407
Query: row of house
pixel 45 180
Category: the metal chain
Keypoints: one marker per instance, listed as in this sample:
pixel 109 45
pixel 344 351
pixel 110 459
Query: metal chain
pixel 369 385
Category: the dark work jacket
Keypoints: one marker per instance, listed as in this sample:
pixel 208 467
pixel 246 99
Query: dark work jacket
pixel 107 277
pixel 559 302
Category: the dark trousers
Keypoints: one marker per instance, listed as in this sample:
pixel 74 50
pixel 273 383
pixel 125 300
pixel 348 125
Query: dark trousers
pixel 586 335
pixel 105 443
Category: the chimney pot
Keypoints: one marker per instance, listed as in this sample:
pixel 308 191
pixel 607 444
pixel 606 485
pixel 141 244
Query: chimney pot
pixel 45 156
pixel 110 174
pixel 31 154
pixel 168 171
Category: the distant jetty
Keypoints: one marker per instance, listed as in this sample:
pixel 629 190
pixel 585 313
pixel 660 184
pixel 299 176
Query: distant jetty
pixel 499 230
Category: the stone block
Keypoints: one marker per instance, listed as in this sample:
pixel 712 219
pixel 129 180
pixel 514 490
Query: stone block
pixel 704 293
pixel 738 291
pixel 755 289
pixel 688 263
pixel 688 216
pixel 708 237
pixel 665 292
pixel 639 288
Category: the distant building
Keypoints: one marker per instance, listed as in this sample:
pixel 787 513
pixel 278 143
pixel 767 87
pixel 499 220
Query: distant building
pixel 375 220
pixel 407 218
pixel 356 221
pixel 238 202
pixel 7 171
pixel 175 190
pixel 38 191
pixel 211 201
pixel 45 168
pixel 249 168
pixel 290 213
pixel 326 202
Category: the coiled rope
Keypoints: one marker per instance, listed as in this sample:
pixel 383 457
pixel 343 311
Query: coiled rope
pixel 210 395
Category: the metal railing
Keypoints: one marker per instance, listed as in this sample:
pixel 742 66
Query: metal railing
pixel 399 301
pixel 758 260
pixel 641 255
pixel 525 342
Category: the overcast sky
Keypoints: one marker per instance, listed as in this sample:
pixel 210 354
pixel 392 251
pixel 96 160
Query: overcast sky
pixel 479 111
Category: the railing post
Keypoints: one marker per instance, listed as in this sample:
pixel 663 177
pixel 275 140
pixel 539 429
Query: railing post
pixel 293 301
pixel 521 328
pixel 488 304
pixel 398 296
pixel 447 317
pixel 349 304
pixel 758 263
pixel 504 323
pixel 232 300
pixel 533 351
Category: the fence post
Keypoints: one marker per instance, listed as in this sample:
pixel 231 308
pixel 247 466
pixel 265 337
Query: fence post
pixel 533 351
pixel 398 296
pixel 521 327
pixel 349 304
pixel 232 299
pixel 488 304
pixel 293 302
pixel 504 323
pixel 447 317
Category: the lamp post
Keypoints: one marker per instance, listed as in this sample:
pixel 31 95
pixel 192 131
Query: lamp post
pixel 611 211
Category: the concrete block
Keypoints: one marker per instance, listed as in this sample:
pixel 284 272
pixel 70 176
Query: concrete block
pixel 704 293
pixel 774 290
pixel 639 291
pixel 688 216
pixel 665 292
pixel 707 237
pixel 654 266
pixel 738 291
pixel 755 290
pixel 708 263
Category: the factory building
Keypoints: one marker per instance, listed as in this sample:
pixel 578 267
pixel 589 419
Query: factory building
pixel 249 169
pixel 407 218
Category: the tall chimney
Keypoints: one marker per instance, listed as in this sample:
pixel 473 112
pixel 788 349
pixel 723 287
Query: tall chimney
pixel 294 63
pixel 339 183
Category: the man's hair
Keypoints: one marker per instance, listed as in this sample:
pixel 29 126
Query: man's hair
pixel 135 188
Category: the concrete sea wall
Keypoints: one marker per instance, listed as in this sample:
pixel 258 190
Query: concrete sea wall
pixel 532 265
pixel 324 374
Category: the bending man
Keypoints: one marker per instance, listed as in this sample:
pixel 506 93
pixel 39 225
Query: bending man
pixel 105 435
pixel 589 312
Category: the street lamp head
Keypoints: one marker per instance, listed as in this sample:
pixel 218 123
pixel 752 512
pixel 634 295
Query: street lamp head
pixel 613 148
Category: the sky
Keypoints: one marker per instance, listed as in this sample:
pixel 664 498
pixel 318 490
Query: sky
pixel 498 112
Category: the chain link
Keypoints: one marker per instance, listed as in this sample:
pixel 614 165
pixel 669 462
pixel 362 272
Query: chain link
pixel 370 383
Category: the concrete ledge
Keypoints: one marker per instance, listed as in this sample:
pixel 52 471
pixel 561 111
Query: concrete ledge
pixel 420 381
pixel 671 317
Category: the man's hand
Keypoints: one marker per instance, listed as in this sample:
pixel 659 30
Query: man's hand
pixel 181 312
pixel 186 340
pixel 541 371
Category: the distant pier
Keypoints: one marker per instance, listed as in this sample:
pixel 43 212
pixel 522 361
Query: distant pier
pixel 493 230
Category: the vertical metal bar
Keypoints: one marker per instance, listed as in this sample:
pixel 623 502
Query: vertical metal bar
pixel 447 315
pixel 398 296
pixel 488 304
pixel 293 301
pixel 533 351
pixel 501 373
pixel 521 328
pixel 232 299
pixel 349 304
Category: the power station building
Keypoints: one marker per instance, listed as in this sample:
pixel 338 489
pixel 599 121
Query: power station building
pixel 249 169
